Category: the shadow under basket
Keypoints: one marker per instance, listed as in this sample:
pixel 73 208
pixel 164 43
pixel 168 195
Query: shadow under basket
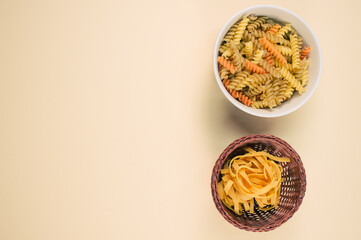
pixel 292 189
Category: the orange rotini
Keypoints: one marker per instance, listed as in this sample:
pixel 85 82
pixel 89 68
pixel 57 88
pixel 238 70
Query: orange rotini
pixel 305 51
pixel 241 97
pixel 227 64
pixel 269 58
pixel 244 99
pixel 226 83
pixel 274 29
pixel 237 94
pixel 253 67
pixel 269 46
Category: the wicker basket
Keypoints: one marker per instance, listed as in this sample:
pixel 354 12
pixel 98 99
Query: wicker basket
pixel 292 189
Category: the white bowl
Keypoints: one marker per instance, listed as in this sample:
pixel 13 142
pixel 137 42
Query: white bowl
pixel 284 16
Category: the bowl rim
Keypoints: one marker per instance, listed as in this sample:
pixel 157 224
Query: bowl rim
pixel 234 101
pixel 223 157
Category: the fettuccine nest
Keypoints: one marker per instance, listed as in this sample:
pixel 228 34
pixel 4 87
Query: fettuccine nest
pixel 254 176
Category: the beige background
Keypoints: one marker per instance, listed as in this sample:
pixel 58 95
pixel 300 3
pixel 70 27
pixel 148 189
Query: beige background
pixel 111 121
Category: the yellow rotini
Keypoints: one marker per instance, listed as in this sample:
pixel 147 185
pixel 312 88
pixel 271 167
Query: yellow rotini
pixel 223 48
pixel 256 23
pixel 267 26
pixel 224 73
pixel 259 104
pixel 271 37
pixel 258 79
pixel 240 30
pixel 264 67
pixel 257 86
pixel 284 30
pixel 248 49
pixel 288 66
pixel 251 38
pixel 284 50
pixel 297 72
pixel 282 92
pixel 255 90
pixel 227 53
pixel 268 93
pixel 304 77
pixel 237 58
pixel 292 80
pixel 232 31
pixel 269 68
pixel 295 46
pixel 239 77
pixel 258 56
pixel 289 91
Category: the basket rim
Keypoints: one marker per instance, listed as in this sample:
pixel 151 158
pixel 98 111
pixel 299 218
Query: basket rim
pixel 222 158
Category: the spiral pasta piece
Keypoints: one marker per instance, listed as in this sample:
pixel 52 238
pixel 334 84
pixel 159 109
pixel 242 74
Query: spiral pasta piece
pixel 226 83
pixel 270 47
pixel 250 95
pixel 270 37
pixel 257 23
pixel 257 56
pixel 227 64
pixel 253 92
pixel 237 60
pixel 230 34
pixel 288 66
pixel 223 48
pixel 277 97
pixel 227 53
pixel 300 39
pixel 305 51
pixel 274 29
pixel 297 72
pixel 249 37
pixel 268 93
pixel 267 26
pixel 244 99
pixel 240 31
pixel 276 92
pixel 269 68
pixel 304 78
pixel 234 93
pixel 295 51
pixel 259 104
pixel 254 80
pixel 281 97
pixel 284 50
pixel 284 30
pixel 289 91
pixel 223 73
pixel 259 79
pixel 292 80
pixel 252 17
pixel 253 67
pixel 248 49
pixel 269 58
pixel 238 79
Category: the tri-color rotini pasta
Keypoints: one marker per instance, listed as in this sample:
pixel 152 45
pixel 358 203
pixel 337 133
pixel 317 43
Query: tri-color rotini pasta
pixel 261 63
